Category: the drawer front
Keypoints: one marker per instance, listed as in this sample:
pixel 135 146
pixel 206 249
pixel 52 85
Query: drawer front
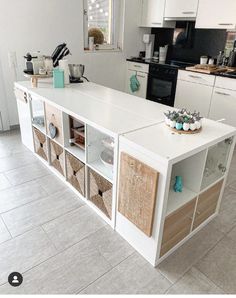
pixel 195 77
pixel 40 144
pixel 138 66
pixel 225 83
pixel 137 192
pixel 177 226
pixel 21 95
pixel 57 157
pixel 100 193
pixel 75 173
pixel 54 116
pixel 207 203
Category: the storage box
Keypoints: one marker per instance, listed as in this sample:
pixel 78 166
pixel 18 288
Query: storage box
pixel 57 157
pixel 40 144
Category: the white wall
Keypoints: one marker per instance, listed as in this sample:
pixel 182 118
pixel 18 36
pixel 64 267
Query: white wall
pixel 32 25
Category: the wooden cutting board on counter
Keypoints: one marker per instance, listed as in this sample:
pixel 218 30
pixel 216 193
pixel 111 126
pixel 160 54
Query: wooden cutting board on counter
pixel 208 69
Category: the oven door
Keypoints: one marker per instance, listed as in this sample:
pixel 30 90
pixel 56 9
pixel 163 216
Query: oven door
pixel 161 89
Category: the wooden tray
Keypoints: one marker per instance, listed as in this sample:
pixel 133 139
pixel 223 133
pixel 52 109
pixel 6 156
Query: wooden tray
pixel 183 132
pixel 206 70
pixel 34 79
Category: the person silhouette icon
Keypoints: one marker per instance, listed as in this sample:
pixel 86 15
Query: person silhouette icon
pixel 15 280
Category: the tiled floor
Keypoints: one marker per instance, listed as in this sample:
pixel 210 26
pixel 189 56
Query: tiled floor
pixel 61 246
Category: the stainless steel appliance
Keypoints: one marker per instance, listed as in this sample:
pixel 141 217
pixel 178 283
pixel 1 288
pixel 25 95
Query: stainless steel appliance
pixel 162 81
pixel 77 73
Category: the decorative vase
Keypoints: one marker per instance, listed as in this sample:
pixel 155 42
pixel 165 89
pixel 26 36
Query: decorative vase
pixel 179 126
pixel 178 186
pixel 172 124
pixel 186 126
pixel 193 126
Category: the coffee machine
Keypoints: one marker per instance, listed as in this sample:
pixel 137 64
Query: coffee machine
pixel 149 40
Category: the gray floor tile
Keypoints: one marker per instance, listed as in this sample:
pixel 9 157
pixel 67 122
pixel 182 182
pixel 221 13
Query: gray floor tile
pixel 10 143
pixel 4 182
pixel 177 264
pixel 73 227
pixel 4 234
pixel 19 195
pixel 26 173
pixel 220 263
pixel 16 161
pixel 51 184
pixel 24 252
pixel 24 218
pixel 194 282
pixel 111 245
pixel 66 273
pixel 132 276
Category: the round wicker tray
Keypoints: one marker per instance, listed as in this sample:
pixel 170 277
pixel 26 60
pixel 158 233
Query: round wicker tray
pixel 183 132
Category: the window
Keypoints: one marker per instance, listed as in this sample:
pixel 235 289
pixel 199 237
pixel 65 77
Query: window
pixel 102 21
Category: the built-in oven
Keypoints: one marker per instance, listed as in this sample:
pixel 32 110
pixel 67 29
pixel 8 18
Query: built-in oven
pixel 162 82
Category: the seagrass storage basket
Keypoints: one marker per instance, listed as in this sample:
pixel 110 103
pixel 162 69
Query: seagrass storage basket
pixel 57 157
pixel 40 144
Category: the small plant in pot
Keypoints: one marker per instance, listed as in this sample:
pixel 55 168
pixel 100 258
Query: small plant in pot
pixel 179 123
pixel 198 120
pixel 186 124
pixel 192 124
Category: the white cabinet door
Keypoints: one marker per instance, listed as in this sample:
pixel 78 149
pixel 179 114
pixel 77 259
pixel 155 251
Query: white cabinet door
pixel 142 78
pixel 193 97
pixel 153 14
pixel 25 124
pixel 218 14
pixel 223 106
pixel 181 9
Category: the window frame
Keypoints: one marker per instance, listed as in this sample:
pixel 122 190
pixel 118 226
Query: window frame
pixel 116 20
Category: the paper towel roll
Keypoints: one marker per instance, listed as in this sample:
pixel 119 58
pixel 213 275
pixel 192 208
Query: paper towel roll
pixel 63 65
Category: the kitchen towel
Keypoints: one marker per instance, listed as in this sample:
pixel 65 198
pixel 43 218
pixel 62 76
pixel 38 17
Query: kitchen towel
pixel 134 83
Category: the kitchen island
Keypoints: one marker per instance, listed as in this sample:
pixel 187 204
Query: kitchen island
pixel 116 153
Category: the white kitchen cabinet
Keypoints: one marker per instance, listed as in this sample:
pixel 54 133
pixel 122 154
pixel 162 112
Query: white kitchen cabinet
pixel 24 111
pixel 214 14
pixel 142 78
pixel 181 9
pixel 223 106
pixel 152 14
pixel 141 71
pixel 193 96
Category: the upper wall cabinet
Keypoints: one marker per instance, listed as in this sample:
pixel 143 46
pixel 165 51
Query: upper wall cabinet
pixel 152 14
pixel 214 14
pixel 181 9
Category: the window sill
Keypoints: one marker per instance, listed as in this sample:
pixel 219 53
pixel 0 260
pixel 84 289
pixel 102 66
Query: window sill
pixel 103 51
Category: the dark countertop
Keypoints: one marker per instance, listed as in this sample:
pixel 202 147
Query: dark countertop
pixel 180 65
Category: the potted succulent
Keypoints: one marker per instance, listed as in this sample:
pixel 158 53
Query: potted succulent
pixel 198 120
pixel 186 124
pixel 173 118
pixel 179 123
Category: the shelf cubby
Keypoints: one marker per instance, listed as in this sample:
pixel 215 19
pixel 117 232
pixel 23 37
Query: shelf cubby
pixel 216 163
pixel 75 137
pixel 38 114
pixel 191 170
pixel 100 152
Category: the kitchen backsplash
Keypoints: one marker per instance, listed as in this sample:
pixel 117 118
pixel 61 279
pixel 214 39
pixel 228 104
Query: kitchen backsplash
pixel 201 42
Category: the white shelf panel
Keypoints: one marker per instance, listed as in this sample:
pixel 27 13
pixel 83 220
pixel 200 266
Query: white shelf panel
pixel 78 153
pixel 101 169
pixel 40 128
pixel 178 199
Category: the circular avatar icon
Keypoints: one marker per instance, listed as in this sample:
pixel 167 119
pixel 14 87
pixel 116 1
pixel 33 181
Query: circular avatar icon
pixel 15 279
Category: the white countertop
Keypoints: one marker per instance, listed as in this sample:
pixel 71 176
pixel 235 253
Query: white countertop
pixel 115 111
pixel 173 147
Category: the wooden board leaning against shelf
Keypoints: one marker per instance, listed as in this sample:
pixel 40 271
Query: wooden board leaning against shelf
pixel 137 192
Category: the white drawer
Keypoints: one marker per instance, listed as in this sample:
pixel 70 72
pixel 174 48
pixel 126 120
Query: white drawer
pixel 196 77
pixel 225 83
pixel 138 66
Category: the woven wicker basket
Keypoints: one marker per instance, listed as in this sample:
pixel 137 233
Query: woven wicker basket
pixel 100 193
pixel 57 157
pixel 75 173
pixel 40 144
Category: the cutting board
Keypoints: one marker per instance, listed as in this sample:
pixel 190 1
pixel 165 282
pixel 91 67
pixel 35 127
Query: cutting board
pixel 206 70
pixel 137 192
